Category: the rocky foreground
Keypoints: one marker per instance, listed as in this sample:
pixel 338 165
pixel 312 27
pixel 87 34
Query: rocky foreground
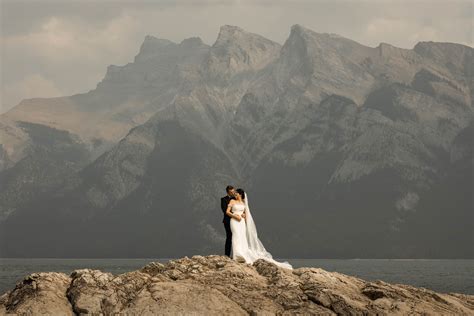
pixel 217 285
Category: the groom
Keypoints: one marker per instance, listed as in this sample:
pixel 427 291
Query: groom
pixel 228 232
pixel 224 203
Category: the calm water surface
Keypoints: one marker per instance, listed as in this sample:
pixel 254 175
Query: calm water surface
pixel 439 275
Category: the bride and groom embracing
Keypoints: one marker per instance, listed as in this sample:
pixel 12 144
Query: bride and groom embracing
pixel 241 232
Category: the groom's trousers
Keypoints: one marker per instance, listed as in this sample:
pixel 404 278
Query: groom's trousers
pixel 228 238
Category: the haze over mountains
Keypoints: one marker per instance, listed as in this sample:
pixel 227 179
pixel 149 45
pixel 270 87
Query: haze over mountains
pixel 346 151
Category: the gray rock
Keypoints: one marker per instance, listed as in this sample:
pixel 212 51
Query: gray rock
pixel 237 289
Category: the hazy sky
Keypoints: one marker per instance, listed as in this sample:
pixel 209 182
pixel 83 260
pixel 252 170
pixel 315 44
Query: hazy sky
pixel 54 48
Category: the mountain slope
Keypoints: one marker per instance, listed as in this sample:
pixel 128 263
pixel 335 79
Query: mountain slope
pixel 354 147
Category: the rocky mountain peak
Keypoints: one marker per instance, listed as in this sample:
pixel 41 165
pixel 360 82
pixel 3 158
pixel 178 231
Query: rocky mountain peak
pixel 446 47
pixel 294 55
pixel 235 36
pixel 151 46
pixel 330 61
pixel 237 50
pixel 229 33
pixel 192 42
pixel 151 41
pixel 299 37
pixel 456 57
pixel 322 43
pixel 388 50
pixel 299 30
pixel 150 38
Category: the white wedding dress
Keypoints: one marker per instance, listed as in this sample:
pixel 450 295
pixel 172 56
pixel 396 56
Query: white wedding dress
pixel 246 247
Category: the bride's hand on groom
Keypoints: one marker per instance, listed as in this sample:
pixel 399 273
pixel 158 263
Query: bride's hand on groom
pixel 240 217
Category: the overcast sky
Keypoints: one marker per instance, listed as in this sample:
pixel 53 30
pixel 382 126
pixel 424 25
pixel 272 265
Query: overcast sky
pixel 54 48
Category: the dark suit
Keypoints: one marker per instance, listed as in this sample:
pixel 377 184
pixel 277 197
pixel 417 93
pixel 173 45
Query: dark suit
pixel 228 239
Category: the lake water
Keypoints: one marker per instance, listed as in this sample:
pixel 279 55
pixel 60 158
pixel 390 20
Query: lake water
pixel 440 275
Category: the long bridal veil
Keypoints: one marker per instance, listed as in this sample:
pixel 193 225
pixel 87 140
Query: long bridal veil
pixel 256 248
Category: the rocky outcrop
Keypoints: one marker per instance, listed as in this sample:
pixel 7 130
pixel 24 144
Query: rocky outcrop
pixel 217 285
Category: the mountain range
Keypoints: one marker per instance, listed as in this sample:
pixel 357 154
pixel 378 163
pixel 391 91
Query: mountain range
pixel 345 150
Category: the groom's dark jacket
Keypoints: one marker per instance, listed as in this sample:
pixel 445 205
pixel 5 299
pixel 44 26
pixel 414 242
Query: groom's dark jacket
pixel 224 203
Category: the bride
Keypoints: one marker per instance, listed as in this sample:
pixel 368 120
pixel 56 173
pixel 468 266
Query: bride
pixel 246 247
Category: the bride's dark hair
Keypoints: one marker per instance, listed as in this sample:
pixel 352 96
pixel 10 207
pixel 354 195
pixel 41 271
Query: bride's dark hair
pixel 241 192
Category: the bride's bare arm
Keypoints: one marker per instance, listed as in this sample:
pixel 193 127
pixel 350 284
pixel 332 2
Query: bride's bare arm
pixel 228 212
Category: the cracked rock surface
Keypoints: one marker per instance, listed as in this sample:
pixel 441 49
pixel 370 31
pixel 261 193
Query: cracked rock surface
pixel 218 285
